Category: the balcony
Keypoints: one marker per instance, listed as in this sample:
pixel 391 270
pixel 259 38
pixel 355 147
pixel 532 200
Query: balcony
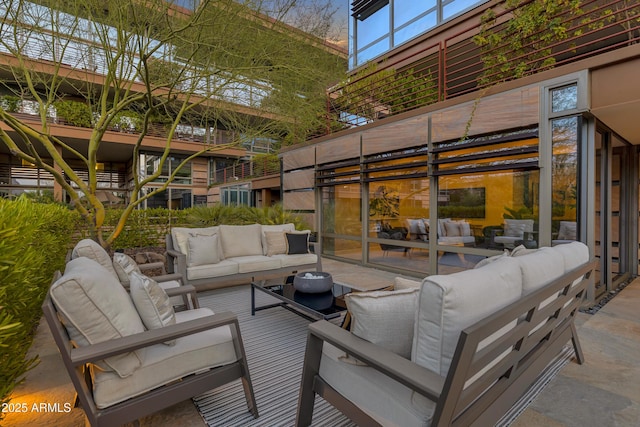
pixel 481 51
pixel 259 168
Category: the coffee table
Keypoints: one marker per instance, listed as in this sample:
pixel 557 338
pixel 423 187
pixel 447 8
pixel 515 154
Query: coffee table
pixel 325 305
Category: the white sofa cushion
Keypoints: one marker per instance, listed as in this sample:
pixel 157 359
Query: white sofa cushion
pixel 249 264
pixel 540 268
pixel 296 259
pixel 163 364
pixel 124 265
pixel 385 318
pixel 203 250
pixel 152 303
pixel 241 240
pixel 94 307
pixel 275 242
pixel 274 227
pixel 574 254
pixel 450 303
pixel 223 268
pixel 400 283
pixel 385 400
pixel 91 249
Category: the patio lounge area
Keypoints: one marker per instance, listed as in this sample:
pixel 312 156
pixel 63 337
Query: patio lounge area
pixel 603 391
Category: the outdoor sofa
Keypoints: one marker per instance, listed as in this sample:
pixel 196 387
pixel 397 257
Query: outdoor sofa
pixel 456 349
pixel 225 255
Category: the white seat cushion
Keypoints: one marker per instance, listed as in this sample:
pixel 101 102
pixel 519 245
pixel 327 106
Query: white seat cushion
pixel 94 307
pixel 574 254
pixel 223 268
pixel 296 259
pixel 450 303
pixel 164 364
pixel 387 401
pixel 249 264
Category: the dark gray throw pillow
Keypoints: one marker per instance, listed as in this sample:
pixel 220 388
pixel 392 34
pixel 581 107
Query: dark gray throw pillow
pixel 297 243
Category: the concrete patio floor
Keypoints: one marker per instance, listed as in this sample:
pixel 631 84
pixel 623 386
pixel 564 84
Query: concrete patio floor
pixel 605 391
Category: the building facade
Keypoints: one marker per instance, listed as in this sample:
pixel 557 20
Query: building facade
pixel 79 56
pixel 491 160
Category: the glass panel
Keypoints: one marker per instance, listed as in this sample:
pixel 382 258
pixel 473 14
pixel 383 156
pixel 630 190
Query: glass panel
pixel 456 6
pixel 388 254
pixel 564 180
pixel 565 98
pixel 158 200
pixel 183 176
pixel 415 28
pixel 341 210
pixel 373 51
pixel 152 163
pixel 180 199
pixel 405 10
pixel 374 27
pixel 343 248
pixel 399 209
pixel 451 262
pixel 472 209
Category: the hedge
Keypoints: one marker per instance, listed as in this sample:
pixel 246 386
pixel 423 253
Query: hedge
pixel 33 242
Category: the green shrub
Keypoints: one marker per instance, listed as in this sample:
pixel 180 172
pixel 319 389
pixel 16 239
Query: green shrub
pixel 34 238
pixel 74 113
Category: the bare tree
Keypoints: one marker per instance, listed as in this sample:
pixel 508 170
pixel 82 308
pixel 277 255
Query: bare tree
pixel 136 64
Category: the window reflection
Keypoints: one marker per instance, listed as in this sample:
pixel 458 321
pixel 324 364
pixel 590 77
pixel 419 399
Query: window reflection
pixel 565 180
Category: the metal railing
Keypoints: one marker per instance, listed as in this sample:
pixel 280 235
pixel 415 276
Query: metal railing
pixel 461 64
pixel 247 170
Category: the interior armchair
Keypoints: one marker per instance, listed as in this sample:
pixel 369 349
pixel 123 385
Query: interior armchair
pixel 514 230
pixel 130 354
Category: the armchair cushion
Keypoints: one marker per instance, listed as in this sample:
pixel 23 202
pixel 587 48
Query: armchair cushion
pixel 386 400
pixel 384 318
pixel 203 250
pixel 449 303
pixel 91 249
pixel 124 265
pixel 94 307
pixel 163 364
pixel 152 303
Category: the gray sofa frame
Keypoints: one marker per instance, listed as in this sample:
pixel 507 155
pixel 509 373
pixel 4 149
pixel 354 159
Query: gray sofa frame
pixel 177 263
pixel 495 391
pixel 76 360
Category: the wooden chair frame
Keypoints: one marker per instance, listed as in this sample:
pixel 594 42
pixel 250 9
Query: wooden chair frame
pixel 77 359
pixel 541 331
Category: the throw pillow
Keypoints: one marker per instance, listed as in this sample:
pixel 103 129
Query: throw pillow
pixel 514 230
pixel 91 249
pixel 465 228
pixel 276 242
pixel 124 265
pixel 297 242
pixel 452 229
pixel 203 250
pixel 152 303
pixel 568 230
pixel 385 318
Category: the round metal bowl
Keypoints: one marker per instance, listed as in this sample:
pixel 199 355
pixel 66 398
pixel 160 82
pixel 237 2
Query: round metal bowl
pixel 321 282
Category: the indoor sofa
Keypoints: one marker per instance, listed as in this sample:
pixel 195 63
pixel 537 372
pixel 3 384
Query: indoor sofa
pixel 219 256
